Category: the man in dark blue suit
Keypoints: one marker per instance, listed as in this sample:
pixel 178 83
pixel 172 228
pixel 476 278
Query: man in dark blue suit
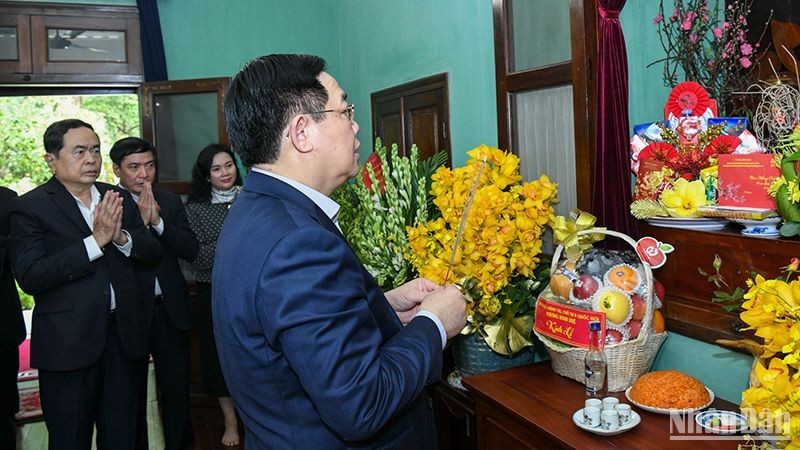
pixel 76 246
pixel 314 353
pixel 165 216
pixel 12 332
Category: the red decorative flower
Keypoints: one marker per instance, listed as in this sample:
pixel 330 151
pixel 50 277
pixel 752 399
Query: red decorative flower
pixel 660 151
pixel 690 97
pixel 721 145
pixel 374 160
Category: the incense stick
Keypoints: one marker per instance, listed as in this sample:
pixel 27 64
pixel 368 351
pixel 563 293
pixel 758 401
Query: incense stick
pixel 464 216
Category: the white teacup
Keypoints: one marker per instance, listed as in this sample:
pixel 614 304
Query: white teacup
pixel 591 416
pixel 624 411
pixel 596 402
pixel 610 403
pixel 609 419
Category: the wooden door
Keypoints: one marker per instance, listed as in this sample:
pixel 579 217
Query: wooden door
pixel 414 113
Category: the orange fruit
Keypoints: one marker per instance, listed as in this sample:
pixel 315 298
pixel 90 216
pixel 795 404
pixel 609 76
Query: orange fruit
pixel 561 284
pixel 658 322
pixel 623 277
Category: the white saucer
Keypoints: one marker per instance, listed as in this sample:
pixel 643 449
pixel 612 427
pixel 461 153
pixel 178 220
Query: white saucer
pixel 727 422
pixel 578 419
pixel 764 235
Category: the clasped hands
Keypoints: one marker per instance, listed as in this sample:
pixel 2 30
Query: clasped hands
pixel 421 294
pixel 107 223
pixel 148 207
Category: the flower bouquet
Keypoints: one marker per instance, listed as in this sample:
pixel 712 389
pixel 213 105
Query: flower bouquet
pixel 772 308
pixel 390 195
pixel 497 261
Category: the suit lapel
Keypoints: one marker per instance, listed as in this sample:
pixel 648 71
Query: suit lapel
pixel 67 204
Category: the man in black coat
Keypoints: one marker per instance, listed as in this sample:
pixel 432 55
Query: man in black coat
pixel 75 245
pixel 164 214
pixel 12 332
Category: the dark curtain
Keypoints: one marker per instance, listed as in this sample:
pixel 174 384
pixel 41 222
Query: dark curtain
pixel 611 190
pixel 155 63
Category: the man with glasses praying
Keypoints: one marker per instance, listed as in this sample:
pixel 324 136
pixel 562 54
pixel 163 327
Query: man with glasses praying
pixel 315 354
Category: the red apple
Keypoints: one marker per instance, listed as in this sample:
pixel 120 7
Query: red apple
pixel 659 290
pixel 634 327
pixel 613 337
pixel 638 307
pixel 585 287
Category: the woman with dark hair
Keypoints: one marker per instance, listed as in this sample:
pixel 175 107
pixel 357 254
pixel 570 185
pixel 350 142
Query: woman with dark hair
pixel 215 184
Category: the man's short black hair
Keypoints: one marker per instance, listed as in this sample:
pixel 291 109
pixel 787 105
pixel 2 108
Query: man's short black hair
pixel 264 95
pixel 54 134
pixel 129 146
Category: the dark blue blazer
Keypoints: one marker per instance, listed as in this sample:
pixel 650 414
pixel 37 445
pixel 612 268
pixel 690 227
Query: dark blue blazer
pixel 12 325
pixel 72 294
pixel 311 350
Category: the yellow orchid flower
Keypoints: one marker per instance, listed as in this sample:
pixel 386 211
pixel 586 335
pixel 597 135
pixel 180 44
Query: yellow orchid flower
pixel 754 397
pixel 757 318
pixel 684 198
pixel 776 378
pixel 502 237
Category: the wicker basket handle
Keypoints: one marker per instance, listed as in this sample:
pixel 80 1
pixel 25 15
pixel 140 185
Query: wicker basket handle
pixel 648 275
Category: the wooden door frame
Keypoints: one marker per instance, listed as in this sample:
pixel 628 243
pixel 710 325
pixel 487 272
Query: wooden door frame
pixel 579 72
pixel 147 93
pixel 433 82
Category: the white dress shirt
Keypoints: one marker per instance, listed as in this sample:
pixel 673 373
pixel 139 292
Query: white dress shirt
pixel 92 248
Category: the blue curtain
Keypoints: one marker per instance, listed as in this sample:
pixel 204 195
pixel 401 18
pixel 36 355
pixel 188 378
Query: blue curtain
pixel 155 63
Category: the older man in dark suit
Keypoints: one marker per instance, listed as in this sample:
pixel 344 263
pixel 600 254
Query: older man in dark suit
pixel 75 245
pixel 163 213
pixel 12 332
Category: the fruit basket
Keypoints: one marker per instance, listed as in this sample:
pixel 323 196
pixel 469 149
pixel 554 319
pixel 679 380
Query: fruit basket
pixel 610 279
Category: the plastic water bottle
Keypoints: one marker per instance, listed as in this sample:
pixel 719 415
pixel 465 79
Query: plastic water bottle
pixel 595 364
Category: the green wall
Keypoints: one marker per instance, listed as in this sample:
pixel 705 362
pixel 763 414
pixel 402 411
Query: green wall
pixel 384 43
pixel 208 38
pixel 647 93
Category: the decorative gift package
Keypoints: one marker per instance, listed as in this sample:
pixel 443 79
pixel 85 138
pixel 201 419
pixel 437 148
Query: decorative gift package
pixel 613 286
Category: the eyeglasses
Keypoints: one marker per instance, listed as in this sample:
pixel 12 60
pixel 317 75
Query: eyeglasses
pixel 349 111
